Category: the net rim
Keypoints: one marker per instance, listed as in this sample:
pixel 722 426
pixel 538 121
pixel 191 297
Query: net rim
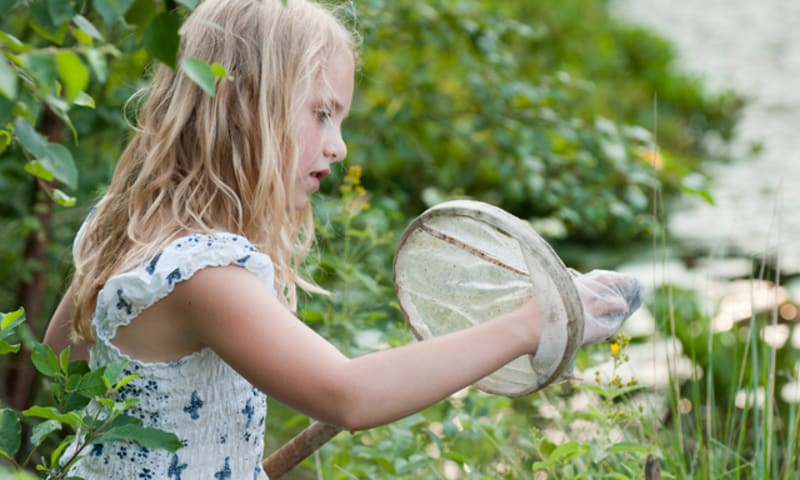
pixel 529 240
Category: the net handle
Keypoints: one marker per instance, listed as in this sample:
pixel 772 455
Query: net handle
pixel 298 448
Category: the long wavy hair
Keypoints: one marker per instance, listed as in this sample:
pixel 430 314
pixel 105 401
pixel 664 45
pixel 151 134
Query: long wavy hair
pixel 198 163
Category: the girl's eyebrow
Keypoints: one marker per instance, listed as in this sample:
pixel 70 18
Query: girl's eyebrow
pixel 334 106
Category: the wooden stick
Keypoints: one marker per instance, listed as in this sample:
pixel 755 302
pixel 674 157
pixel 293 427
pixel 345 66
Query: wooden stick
pixel 298 449
pixel 652 468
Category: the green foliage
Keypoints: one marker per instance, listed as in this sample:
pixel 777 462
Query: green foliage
pixel 204 74
pixel 74 386
pixel 535 116
pixel 731 433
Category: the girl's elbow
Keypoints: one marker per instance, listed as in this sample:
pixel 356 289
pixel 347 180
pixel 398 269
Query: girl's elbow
pixel 351 412
pixel 354 420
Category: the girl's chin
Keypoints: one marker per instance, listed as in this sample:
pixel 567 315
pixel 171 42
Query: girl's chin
pixel 301 202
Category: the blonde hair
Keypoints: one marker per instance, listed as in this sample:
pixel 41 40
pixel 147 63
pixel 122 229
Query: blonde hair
pixel 198 163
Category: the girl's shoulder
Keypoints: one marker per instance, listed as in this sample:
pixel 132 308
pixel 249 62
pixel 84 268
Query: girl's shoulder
pixel 125 295
pixel 189 253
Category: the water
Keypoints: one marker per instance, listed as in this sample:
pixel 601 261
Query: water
pixel 753 48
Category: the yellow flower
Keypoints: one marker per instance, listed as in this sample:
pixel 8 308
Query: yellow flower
pixel 615 348
pixel 653 157
pixel 354 172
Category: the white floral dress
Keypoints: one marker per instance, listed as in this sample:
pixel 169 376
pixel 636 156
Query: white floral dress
pixel 218 415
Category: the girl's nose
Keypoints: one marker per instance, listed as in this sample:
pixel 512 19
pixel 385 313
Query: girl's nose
pixel 335 148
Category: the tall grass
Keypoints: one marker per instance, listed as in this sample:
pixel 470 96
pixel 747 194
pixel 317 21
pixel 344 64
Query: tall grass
pixel 732 430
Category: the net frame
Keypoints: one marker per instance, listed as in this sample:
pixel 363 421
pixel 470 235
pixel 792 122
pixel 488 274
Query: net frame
pixel 563 314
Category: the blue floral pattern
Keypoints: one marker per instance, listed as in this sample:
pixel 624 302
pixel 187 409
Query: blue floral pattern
pixel 199 387
pixel 194 405
pixel 175 468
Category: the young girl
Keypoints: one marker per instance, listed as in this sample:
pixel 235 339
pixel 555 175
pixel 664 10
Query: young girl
pixel 188 265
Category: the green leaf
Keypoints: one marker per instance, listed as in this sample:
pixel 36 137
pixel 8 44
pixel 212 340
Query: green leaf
pixel 695 184
pixel 10 431
pixel 50 413
pixel 60 11
pixel 63 164
pixel 219 71
pixel 568 451
pixel 200 72
pixel 11 320
pixel 41 18
pixel 43 69
pixel 58 391
pixel 63 360
pixel 31 140
pixel 63 199
pixel 84 100
pixel 91 384
pixel 161 38
pixel 456 456
pixel 78 367
pixel 450 428
pixel 56 455
pixel 140 13
pixel 125 381
pixel 75 401
pixel 7 5
pixel 114 370
pixel 82 37
pixel 98 63
pixel 12 43
pixel 546 448
pixel 59 161
pixel 112 11
pixel 73 73
pixel 5 138
pixel 6 348
pixel 147 437
pixel 85 25
pixel 45 361
pixel 8 80
pixel 42 430
pixel 434 438
pixel 54 34
pixel 122 421
pixel 630 447
pixel 39 170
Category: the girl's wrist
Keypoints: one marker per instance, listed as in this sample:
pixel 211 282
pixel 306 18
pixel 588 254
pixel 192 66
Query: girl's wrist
pixel 526 324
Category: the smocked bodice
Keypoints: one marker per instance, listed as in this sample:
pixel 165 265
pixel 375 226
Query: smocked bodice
pixel 217 414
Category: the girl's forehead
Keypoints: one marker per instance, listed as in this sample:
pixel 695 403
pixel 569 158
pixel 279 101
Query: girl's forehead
pixel 336 81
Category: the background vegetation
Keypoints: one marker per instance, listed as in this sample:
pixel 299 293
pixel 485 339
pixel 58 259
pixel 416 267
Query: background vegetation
pixel 546 109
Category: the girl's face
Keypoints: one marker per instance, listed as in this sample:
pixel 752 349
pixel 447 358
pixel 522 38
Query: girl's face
pixel 320 126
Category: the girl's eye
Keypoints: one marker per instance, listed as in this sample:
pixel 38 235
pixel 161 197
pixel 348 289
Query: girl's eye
pixel 323 115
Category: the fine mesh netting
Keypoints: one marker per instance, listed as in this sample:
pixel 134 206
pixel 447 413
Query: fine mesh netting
pixel 463 263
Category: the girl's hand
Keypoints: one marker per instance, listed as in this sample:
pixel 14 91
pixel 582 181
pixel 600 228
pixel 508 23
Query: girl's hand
pixel 529 318
pixel 608 298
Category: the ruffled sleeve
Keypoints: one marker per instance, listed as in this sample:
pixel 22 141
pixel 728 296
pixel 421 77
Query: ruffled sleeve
pixel 125 295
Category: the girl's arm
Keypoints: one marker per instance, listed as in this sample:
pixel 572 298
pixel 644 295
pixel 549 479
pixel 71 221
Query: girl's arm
pixel 232 312
pixel 58 335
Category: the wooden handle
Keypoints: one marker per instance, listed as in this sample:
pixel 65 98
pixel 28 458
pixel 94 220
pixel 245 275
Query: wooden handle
pixel 298 448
